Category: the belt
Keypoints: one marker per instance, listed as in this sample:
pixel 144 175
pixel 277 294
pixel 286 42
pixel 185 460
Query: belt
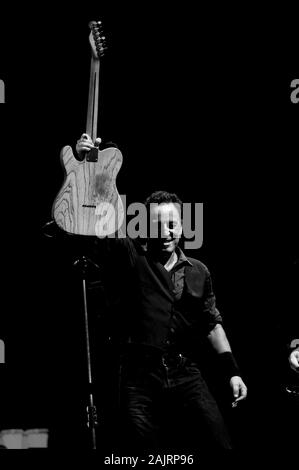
pixel 173 359
pixel 167 359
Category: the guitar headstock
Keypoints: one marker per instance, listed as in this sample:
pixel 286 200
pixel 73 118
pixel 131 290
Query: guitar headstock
pixel 96 39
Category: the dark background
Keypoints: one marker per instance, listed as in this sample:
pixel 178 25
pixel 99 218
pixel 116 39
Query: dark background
pixel 199 103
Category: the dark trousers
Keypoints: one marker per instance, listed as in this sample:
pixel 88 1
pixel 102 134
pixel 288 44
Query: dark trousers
pixel 152 389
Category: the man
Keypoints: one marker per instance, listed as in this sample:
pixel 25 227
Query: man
pixel 164 306
pixel 294 359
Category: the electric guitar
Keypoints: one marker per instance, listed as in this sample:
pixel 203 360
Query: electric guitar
pixel 88 202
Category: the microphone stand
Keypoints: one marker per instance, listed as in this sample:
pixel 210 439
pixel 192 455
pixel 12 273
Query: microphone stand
pixel 83 265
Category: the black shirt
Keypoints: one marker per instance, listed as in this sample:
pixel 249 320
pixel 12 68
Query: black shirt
pixel 150 306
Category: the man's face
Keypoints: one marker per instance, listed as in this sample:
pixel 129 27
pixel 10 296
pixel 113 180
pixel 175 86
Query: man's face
pixel 166 227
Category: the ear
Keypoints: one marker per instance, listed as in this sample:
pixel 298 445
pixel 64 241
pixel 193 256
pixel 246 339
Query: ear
pixel 180 231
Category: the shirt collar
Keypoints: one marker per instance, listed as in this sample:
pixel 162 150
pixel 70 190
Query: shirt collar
pixel 182 258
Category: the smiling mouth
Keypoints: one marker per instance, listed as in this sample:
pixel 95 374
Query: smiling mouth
pixel 168 242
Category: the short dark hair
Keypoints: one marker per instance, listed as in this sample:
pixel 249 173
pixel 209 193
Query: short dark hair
pixel 162 197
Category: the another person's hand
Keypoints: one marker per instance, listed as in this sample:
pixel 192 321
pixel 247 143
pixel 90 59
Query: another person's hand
pixel 239 389
pixel 84 144
pixel 294 360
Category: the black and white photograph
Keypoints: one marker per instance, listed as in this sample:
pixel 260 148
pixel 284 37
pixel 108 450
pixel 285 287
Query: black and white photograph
pixel 150 242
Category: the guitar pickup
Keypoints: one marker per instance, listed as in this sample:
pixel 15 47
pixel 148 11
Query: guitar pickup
pixel 88 205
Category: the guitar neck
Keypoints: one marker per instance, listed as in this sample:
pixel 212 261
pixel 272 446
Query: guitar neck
pixel 93 99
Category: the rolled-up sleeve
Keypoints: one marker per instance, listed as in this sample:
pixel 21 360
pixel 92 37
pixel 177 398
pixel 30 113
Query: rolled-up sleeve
pixel 211 314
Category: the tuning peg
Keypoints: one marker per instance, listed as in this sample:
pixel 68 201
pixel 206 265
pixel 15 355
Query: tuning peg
pixel 95 26
pixel 101 50
pixel 100 40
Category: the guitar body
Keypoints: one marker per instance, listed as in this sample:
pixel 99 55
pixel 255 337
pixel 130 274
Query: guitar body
pixel 88 202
